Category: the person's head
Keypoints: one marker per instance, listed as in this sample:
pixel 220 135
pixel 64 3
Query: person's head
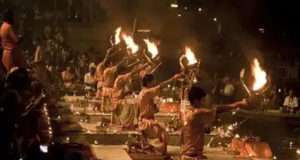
pixel 92 70
pixel 121 70
pixel 291 93
pixel 196 96
pixel 107 64
pixel 8 16
pixel 148 80
pixel 17 79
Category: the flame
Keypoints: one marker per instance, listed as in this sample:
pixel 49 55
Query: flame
pixel 190 56
pixel 130 43
pixel 117 35
pixel 151 48
pixel 259 75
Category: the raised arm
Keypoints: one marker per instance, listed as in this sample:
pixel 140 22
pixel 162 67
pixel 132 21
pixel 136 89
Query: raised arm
pixel 169 81
pixel 227 107
pixel 106 56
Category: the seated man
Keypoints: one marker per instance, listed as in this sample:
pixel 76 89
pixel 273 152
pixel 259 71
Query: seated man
pixel 197 122
pixel 69 78
pixel 291 102
pixel 90 80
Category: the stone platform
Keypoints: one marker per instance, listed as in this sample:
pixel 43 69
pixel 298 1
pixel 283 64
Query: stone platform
pixel 76 123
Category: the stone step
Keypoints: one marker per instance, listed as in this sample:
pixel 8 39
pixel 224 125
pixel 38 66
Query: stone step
pixel 91 135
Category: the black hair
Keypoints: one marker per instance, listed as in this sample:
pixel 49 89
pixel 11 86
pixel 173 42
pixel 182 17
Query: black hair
pixel 147 79
pixel 8 16
pixel 17 79
pixel 121 69
pixel 196 93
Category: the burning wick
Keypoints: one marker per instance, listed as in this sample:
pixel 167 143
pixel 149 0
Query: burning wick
pixel 117 35
pixel 130 43
pixel 259 75
pixel 190 56
pixel 151 48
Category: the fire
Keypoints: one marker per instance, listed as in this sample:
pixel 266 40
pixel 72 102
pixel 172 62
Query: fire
pixel 130 43
pixel 151 48
pixel 190 56
pixel 259 75
pixel 117 35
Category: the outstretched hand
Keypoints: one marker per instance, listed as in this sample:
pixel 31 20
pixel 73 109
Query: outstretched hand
pixel 177 76
pixel 241 103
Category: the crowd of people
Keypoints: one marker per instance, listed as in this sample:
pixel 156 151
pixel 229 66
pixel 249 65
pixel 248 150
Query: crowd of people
pixel 56 68
pixel 227 90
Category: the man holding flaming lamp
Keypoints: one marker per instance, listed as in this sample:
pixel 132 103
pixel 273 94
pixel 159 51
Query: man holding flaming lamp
pixel 152 133
pixel 198 119
pixel 109 77
pixel 124 113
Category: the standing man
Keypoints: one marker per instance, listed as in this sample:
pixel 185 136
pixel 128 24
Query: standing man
pixel 40 66
pixel 109 76
pixel 124 113
pixel 198 120
pixel 11 56
pixel 99 72
pixel 153 134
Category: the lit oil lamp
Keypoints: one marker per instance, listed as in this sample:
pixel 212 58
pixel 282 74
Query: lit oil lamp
pixel 260 85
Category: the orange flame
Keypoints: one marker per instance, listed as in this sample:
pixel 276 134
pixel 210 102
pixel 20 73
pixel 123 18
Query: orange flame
pixel 117 35
pixel 190 56
pixel 259 75
pixel 151 48
pixel 130 43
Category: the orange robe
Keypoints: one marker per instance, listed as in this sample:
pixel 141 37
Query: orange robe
pixel 11 55
pixel 124 112
pixel 108 80
pixel 146 103
pixel 192 133
pixel 154 134
pixel 99 73
pixel 118 89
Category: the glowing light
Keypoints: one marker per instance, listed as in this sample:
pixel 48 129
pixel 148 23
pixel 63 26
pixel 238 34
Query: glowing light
pixel 259 75
pixel 199 9
pixel 190 56
pixel 215 19
pixel 179 15
pixel 237 136
pixel 151 48
pixel 185 8
pixel 298 151
pixel 261 30
pixel 173 5
pixel 130 43
pixel 230 127
pixel 117 35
